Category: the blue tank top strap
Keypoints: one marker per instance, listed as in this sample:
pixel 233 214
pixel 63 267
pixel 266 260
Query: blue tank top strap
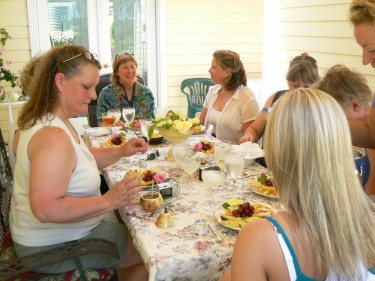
pixel 289 245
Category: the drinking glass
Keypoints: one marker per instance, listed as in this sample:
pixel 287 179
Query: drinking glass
pixel 108 120
pixel 213 177
pixel 116 113
pixel 129 114
pixel 179 151
pixel 190 164
pixel 221 151
pixel 145 126
pixel 234 165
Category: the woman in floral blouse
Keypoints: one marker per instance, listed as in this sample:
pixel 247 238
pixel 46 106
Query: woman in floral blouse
pixel 125 90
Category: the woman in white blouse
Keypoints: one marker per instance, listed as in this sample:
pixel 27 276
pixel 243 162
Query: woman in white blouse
pixel 230 106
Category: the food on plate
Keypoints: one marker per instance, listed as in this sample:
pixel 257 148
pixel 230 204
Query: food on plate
pixel 239 215
pixel 205 146
pixel 146 177
pixel 114 141
pixel 136 124
pixel 263 185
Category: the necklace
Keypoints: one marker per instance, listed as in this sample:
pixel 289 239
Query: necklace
pixel 130 102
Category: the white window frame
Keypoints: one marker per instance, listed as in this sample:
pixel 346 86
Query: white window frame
pixel 156 47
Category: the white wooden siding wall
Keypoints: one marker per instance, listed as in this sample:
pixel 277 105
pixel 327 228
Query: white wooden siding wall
pixel 320 27
pixel 196 29
pixel 13 17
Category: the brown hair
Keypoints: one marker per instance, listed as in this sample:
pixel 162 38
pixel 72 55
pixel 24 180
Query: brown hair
pixel 303 67
pixel 344 85
pixel 231 60
pixel 27 73
pixel 120 59
pixel 43 91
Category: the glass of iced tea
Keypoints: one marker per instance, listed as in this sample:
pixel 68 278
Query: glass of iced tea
pixel 108 119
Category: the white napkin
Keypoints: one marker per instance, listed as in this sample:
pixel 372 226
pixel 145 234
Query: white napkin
pixel 249 150
pixel 97 131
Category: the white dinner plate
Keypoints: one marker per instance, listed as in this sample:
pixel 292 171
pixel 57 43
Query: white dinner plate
pixel 256 191
pixel 221 211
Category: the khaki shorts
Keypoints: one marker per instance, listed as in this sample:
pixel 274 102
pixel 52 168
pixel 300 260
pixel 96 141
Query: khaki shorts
pixel 111 231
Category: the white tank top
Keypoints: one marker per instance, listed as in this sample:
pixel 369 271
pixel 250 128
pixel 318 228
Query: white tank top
pixel 26 229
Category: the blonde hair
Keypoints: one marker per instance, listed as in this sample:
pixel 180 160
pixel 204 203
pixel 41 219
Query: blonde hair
pixel 43 91
pixel 362 11
pixel 308 149
pixel 345 85
pixel 228 59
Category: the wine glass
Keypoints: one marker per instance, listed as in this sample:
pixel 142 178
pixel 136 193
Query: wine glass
pixel 179 150
pixel 190 164
pixel 115 112
pixel 234 165
pixel 129 114
pixel 145 126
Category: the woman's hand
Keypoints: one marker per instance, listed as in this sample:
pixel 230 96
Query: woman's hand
pixel 133 146
pixel 247 136
pixel 119 123
pixel 124 192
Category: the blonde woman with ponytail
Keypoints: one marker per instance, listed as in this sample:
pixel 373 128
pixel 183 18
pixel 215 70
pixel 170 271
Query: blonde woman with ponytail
pixel 327 225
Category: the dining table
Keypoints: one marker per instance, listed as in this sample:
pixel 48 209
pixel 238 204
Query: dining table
pixel 199 246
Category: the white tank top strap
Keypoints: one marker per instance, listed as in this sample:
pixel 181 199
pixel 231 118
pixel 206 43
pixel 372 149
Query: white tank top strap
pixel 287 256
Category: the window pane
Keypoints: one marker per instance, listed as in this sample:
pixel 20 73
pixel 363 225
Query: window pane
pixel 128 31
pixel 68 22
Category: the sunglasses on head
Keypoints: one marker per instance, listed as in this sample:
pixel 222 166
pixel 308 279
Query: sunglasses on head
pixel 303 57
pixel 87 55
pixel 124 53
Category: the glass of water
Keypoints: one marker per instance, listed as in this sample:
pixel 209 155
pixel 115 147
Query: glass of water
pixel 234 165
pixel 128 113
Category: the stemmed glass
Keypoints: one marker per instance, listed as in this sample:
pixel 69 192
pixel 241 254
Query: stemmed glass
pixel 129 114
pixel 115 112
pixel 179 151
pixel 190 164
pixel 145 126
pixel 234 165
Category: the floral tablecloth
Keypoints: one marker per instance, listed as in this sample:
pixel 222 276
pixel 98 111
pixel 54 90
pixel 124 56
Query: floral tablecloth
pixel 179 253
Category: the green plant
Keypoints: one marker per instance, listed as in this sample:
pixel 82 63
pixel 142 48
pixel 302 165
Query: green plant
pixel 5 73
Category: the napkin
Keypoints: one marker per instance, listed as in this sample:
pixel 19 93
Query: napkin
pixel 98 131
pixel 249 150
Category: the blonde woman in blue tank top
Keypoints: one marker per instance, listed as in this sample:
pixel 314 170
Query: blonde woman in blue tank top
pixel 326 230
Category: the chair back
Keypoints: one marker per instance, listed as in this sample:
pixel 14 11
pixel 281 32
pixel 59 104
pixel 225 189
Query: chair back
pixel 104 80
pixel 196 90
pixel 6 183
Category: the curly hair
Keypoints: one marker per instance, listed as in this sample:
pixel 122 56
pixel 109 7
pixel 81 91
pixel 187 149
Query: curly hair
pixel 27 73
pixel 231 60
pixel 345 85
pixel 43 92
